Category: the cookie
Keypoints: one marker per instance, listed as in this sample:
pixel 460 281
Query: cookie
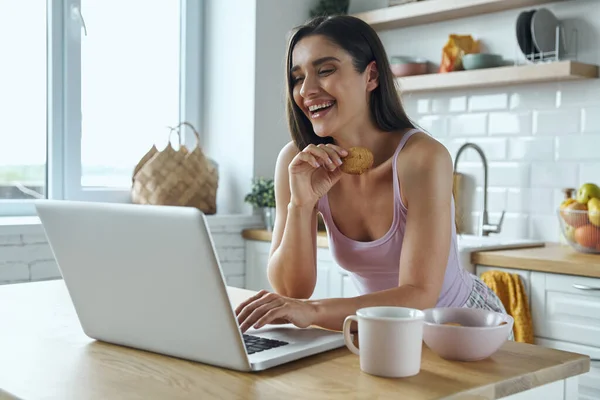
pixel 358 161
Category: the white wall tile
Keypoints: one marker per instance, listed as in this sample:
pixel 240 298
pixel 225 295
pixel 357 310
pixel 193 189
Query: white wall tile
pixel 423 106
pixel 531 149
pixel 513 226
pixel 42 270
pixel 544 227
pixel 448 104
pixel 452 145
pixel 530 200
pixel 10 240
pixel 510 123
pixel 509 174
pixel 496 199
pixel 494 149
pixel 553 174
pixel 436 125
pixel 14 272
pixel 238 281
pixel 590 120
pixel 589 172
pixel 500 174
pixel 533 97
pixel 487 102
pixel 468 124
pixel 557 122
pixel 583 93
pixel 578 147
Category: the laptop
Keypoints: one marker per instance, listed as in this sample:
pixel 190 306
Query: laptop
pixel 148 277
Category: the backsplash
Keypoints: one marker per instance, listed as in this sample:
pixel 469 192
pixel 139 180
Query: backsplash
pixel 27 257
pixel 538 139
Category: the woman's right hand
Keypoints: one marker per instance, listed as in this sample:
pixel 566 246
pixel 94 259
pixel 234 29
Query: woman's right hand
pixel 313 171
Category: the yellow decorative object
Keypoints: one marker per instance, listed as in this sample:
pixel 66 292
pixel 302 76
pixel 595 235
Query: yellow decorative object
pixel 453 51
pixel 509 288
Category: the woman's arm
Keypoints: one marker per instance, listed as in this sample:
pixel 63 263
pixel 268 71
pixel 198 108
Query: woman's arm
pixel 426 175
pixel 427 190
pixel 292 268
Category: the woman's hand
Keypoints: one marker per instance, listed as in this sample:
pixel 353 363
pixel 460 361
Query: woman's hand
pixel 313 171
pixel 270 308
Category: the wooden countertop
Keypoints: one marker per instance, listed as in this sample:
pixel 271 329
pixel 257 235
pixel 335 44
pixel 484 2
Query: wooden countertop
pixel 45 354
pixel 265 236
pixel 554 257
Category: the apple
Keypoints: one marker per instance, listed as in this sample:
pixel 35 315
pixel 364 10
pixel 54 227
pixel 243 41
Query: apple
pixel 586 192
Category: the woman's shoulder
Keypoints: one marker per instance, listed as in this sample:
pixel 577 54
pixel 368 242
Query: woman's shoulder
pixel 287 153
pixel 423 154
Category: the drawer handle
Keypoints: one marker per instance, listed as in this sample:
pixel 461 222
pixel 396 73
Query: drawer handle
pixel 585 287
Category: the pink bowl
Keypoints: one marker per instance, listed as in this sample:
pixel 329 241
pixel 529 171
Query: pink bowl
pixel 479 336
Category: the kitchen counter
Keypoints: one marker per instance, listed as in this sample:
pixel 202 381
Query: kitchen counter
pixel 45 354
pixel 554 258
pixel 265 236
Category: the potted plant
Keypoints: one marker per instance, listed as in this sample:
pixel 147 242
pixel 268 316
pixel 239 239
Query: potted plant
pixel 262 196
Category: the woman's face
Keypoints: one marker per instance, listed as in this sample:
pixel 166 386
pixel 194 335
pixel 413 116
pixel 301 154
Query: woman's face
pixel 327 88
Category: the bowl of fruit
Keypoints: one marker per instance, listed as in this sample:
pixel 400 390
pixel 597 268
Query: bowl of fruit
pixel 579 219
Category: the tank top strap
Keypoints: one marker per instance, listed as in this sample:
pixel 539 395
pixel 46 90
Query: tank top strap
pixel 406 136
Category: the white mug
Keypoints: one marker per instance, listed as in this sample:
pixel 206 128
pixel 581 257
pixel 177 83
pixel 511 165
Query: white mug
pixel 390 340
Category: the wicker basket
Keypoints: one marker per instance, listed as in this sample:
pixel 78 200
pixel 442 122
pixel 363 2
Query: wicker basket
pixel 176 177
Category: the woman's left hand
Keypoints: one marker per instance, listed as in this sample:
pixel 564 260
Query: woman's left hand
pixel 270 308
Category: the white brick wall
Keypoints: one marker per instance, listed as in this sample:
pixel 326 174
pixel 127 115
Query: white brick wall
pixel 27 256
pixel 532 152
pixel 538 138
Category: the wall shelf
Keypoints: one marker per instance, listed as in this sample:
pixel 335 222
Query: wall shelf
pixel 557 71
pixel 430 11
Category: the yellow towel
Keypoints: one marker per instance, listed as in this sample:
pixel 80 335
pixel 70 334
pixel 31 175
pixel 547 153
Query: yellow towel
pixel 509 288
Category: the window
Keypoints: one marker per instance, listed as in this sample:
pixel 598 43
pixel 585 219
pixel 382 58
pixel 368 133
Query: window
pixel 22 101
pixel 100 84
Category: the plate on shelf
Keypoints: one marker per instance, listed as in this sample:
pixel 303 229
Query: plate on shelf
pixel 544 26
pixel 524 34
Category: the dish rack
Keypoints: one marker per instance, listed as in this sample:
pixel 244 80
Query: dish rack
pixel 570 49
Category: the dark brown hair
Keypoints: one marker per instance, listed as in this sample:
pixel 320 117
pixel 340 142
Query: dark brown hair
pixel 363 44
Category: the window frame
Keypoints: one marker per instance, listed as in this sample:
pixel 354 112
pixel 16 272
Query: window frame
pixel 63 149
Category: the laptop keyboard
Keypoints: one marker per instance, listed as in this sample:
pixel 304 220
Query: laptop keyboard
pixel 254 344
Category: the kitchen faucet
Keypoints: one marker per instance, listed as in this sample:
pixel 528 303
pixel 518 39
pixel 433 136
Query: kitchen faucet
pixel 485 228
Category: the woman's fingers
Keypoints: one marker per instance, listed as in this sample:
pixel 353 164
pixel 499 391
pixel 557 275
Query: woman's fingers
pixel 250 308
pixel 258 313
pixel 342 152
pixel 332 154
pixel 305 157
pixel 328 155
pixel 242 305
pixel 273 315
pixel 321 154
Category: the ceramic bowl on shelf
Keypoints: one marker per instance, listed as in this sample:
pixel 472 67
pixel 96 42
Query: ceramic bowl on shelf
pixel 581 229
pixel 408 66
pixel 481 60
pixel 465 334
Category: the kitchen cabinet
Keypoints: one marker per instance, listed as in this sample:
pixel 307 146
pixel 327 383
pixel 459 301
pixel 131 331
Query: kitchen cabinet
pixel 565 310
pixel 332 281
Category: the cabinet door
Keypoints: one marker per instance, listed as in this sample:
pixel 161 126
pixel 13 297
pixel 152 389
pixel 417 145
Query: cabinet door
pixel 589 383
pixel 567 308
pixel 257 257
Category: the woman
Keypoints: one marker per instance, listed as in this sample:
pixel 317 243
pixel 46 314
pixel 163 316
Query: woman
pixel 392 227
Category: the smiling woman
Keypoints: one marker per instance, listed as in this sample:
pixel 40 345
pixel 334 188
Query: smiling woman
pixel 391 226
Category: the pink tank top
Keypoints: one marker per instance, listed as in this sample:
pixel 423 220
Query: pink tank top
pixel 374 266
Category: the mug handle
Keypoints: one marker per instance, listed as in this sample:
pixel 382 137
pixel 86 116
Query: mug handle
pixel 347 337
